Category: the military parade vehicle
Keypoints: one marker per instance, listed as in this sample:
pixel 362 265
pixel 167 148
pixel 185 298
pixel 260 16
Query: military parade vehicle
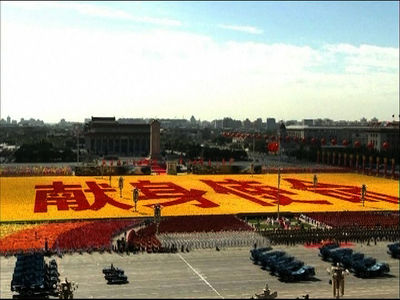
pixel 33 277
pixel 266 257
pixel 279 261
pixel 257 252
pixel 266 294
pixel 335 255
pixel 361 266
pixel 368 267
pixel 303 273
pixel 287 267
pixel 348 260
pixel 115 275
pixel 394 250
pixel 293 265
pixel 324 251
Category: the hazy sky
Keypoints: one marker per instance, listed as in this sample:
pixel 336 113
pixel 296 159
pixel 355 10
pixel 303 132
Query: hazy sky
pixel 288 60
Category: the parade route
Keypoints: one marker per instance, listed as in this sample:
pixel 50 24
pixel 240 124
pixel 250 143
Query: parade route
pixel 208 273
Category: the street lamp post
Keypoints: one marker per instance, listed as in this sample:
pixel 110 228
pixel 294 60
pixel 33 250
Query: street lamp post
pixel 279 182
pixel 77 144
pixel 279 169
pixel 252 165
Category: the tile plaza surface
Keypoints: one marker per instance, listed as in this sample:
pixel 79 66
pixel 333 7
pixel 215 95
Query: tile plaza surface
pixel 72 197
pixel 228 273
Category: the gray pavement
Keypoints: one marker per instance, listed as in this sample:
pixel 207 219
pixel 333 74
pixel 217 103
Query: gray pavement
pixel 207 273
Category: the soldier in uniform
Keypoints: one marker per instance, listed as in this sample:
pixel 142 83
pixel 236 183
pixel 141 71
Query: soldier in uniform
pixel 315 180
pixel 337 273
pixel 135 196
pixel 66 290
pixel 363 192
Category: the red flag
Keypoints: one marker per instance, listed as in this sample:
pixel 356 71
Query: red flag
pixel 209 162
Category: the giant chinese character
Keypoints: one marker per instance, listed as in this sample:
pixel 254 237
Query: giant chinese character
pixel 63 196
pixel 72 196
pixel 343 192
pixel 100 197
pixel 253 190
pixel 168 190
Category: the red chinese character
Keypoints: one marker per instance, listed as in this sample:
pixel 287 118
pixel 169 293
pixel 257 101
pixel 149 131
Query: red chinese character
pixel 100 197
pixel 249 189
pixel 167 190
pixel 63 196
pixel 66 196
pixel 343 192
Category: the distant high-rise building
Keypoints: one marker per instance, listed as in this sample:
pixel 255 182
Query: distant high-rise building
pixel 374 120
pixel 291 122
pixel 205 124
pixel 258 124
pixel 247 123
pixel 308 122
pixel 318 122
pixel 217 124
pixel 271 124
pixel 229 123
pixel 8 120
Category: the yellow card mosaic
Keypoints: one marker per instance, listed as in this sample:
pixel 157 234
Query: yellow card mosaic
pixel 71 197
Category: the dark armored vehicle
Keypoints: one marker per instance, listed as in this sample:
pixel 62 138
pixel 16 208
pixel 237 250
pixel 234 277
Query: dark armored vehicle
pixel 348 260
pixel 368 267
pixel 266 258
pixel 257 252
pixel 336 255
pixel 285 268
pixel 279 262
pixel 324 251
pixel 303 273
pixel 115 275
pixel 32 277
pixel 394 250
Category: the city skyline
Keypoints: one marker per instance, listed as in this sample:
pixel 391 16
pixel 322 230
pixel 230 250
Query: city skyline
pixel 193 120
pixel 297 60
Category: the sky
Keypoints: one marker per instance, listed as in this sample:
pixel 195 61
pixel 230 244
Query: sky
pixel 287 60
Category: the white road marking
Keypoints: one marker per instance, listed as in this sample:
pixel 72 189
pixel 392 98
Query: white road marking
pixel 201 277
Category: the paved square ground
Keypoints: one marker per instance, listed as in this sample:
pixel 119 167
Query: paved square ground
pixel 228 273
